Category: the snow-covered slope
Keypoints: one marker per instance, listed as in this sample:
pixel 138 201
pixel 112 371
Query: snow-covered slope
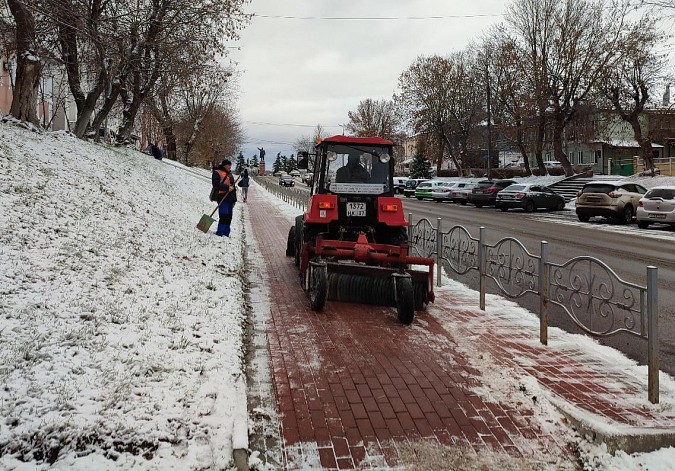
pixel 120 323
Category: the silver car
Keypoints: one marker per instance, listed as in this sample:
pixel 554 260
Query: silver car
pixel 617 200
pixel 657 205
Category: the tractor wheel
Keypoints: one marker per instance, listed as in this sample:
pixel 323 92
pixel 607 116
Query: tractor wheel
pixel 298 239
pixel 290 243
pixel 318 285
pixel 405 302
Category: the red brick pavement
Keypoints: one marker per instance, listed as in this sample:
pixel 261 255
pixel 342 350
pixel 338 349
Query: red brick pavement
pixel 356 384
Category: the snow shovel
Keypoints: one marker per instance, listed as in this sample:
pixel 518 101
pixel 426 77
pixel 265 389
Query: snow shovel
pixel 205 222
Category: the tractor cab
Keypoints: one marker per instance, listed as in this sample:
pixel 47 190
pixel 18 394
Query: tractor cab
pixel 351 165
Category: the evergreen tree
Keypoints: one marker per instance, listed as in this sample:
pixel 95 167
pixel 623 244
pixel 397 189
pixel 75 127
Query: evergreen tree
pixel 277 164
pixel 292 163
pixel 253 163
pixel 419 168
pixel 240 164
pixel 284 163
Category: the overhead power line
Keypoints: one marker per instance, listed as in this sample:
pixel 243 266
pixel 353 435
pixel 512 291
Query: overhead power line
pixel 294 125
pixel 374 18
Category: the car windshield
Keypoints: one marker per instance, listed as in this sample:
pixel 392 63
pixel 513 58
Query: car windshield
pixel 484 184
pixel 665 193
pixel 598 188
pixel 357 169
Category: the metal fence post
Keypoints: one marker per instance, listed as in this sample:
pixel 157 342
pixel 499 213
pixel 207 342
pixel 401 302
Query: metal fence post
pixel 653 334
pixel 543 293
pixel 481 267
pixel 410 226
pixel 439 251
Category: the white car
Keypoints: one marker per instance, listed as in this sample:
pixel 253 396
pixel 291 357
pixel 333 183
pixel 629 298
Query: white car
pixel 399 184
pixel 294 173
pixel 461 194
pixel 442 191
pixel 656 206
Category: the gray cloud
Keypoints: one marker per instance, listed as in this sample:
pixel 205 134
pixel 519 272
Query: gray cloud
pixel 314 71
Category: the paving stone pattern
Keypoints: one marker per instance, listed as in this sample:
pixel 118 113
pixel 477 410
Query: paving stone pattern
pixel 357 384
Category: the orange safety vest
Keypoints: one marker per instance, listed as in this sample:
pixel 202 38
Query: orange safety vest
pixel 223 176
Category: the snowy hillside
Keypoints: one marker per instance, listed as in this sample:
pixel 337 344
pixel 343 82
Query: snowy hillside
pixel 120 323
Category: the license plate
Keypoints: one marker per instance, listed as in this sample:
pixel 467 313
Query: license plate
pixel 657 216
pixel 356 209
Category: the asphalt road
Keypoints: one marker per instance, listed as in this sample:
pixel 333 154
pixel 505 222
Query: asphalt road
pixel 626 249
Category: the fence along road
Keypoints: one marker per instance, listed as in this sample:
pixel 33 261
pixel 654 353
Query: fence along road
pixel 626 251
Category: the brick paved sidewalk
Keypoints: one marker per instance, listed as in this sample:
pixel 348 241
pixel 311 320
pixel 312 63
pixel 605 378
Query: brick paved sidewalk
pixel 357 390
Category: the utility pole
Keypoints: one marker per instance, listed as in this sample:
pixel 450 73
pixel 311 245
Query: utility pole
pixel 489 115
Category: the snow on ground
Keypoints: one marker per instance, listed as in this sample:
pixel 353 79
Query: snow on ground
pixel 121 325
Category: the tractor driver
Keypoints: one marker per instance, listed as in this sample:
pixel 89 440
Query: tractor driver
pixel 353 172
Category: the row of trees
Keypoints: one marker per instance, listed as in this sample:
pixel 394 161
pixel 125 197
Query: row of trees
pixel 548 67
pixel 120 56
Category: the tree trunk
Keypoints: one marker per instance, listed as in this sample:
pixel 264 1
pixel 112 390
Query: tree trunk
pixel 107 107
pixel 28 65
pixel 559 129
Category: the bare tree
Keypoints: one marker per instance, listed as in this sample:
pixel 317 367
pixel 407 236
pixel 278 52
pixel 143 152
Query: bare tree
pixel 628 83
pixel 439 97
pixel 570 43
pixel 514 106
pixel 375 118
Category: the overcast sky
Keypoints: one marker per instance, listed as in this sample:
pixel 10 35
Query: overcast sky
pixel 299 68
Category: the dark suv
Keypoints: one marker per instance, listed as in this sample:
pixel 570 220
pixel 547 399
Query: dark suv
pixel 485 192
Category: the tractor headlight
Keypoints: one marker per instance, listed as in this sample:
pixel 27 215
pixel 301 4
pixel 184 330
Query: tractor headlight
pixel 330 155
pixel 384 158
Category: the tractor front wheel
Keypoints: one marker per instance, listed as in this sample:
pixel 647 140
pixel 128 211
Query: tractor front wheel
pixel 318 285
pixel 405 299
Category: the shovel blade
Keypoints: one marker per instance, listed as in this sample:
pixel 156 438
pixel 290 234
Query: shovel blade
pixel 205 223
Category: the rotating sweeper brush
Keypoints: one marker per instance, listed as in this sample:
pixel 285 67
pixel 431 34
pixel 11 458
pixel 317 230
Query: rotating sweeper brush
pixel 351 243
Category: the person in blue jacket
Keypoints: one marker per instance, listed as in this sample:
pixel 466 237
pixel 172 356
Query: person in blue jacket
pixel 224 185
pixel 244 183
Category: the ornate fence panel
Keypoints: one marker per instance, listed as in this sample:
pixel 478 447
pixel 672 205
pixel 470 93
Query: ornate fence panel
pixel 422 238
pixel 459 250
pixel 591 293
pixel 512 267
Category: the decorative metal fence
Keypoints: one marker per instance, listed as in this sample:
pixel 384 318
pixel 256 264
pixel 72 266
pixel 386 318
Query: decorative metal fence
pixel 295 196
pixel 597 300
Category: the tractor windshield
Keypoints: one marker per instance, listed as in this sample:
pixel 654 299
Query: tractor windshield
pixel 357 170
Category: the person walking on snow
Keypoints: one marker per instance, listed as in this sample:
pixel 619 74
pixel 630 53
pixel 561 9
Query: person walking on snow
pixel 244 183
pixel 223 184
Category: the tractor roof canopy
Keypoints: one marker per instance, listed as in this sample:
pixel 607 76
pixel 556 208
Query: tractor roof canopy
pixel 364 141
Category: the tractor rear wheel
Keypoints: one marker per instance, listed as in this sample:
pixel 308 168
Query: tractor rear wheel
pixel 318 285
pixel 405 302
pixel 290 243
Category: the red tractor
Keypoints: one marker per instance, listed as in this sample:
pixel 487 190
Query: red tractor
pixel 351 244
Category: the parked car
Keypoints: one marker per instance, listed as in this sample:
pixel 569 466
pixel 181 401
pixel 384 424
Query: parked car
pixel 442 191
pixel 286 180
pixel 485 192
pixel 399 184
pixel 529 197
pixel 410 186
pixel 424 189
pixel 617 200
pixel 461 194
pixel 294 173
pixel 552 164
pixel 656 206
